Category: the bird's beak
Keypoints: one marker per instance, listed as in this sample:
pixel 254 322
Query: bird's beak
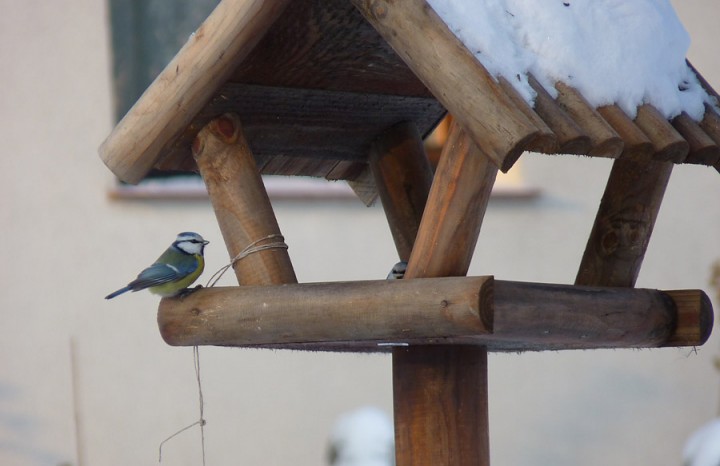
pixel 206 242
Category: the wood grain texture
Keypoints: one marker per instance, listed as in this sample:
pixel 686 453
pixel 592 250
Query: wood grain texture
pixel 711 123
pixel 185 86
pixel 703 150
pixel 695 318
pixel 571 138
pixel 545 142
pixel 385 310
pixel 605 142
pixel 403 177
pixel 455 77
pixel 455 209
pixel 427 314
pixel 446 409
pixel 636 145
pixel 624 223
pixel 668 144
pixel 241 204
pixel 328 45
pixel 447 421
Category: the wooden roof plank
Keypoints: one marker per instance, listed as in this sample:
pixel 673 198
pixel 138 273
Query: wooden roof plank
pixel 454 76
pixel 571 138
pixel 703 150
pixel 637 145
pixel 186 85
pixel 545 141
pixel 668 144
pixel 605 142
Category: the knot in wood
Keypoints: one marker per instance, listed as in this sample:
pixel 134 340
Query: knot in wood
pixel 378 10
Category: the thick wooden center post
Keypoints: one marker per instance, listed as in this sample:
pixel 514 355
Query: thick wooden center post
pixel 440 392
pixel 241 204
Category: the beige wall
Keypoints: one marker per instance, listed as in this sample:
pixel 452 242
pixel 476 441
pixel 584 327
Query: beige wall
pixel 66 245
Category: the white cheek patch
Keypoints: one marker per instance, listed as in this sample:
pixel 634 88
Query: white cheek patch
pixel 189 247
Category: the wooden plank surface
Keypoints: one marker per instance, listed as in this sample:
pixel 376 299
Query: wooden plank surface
pixel 241 204
pixel 185 86
pixel 328 45
pixel 455 77
pixel 289 123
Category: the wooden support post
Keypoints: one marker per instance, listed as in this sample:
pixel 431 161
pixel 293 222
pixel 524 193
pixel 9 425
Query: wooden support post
pixel 456 206
pixel 454 76
pixel 241 204
pixel 403 177
pixel 441 415
pixel 624 222
pixel 180 90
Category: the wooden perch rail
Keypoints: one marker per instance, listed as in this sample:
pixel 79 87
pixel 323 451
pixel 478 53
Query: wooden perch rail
pixel 479 311
pixel 386 310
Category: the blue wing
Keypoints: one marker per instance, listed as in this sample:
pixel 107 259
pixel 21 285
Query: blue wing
pixel 157 274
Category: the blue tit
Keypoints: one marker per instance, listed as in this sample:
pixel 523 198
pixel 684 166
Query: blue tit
pixel 398 271
pixel 176 269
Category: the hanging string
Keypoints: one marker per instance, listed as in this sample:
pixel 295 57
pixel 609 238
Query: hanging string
pixel 201 421
pixel 249 249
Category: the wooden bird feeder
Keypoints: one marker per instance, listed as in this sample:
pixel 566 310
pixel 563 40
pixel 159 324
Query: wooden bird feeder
pixel 347 91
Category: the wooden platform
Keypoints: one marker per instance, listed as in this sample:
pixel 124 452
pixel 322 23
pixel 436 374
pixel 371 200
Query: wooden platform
pixel 376 316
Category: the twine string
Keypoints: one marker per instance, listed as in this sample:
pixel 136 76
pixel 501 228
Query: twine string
pixel 249 249
pixel 201 421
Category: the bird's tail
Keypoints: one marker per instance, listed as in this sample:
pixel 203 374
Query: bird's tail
pixel 118 292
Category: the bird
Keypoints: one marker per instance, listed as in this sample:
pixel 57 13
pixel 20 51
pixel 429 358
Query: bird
pixel 176 269
pixel 398 271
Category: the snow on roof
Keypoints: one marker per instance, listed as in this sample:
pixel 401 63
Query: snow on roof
pixel 612 51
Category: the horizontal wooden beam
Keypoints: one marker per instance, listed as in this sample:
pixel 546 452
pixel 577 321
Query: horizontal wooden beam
pixel 387 310
pixel 372 316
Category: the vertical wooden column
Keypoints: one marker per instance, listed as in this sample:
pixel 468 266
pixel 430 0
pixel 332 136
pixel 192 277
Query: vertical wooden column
pixel 440 392
pixel 624 222
pixel 241 204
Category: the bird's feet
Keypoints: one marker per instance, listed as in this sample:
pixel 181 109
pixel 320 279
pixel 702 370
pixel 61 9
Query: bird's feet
pixel 188 291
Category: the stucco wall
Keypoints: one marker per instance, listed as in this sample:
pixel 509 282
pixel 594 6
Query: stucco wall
pixel 66 245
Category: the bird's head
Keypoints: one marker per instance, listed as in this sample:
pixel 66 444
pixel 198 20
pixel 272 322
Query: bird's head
pixel 190 243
